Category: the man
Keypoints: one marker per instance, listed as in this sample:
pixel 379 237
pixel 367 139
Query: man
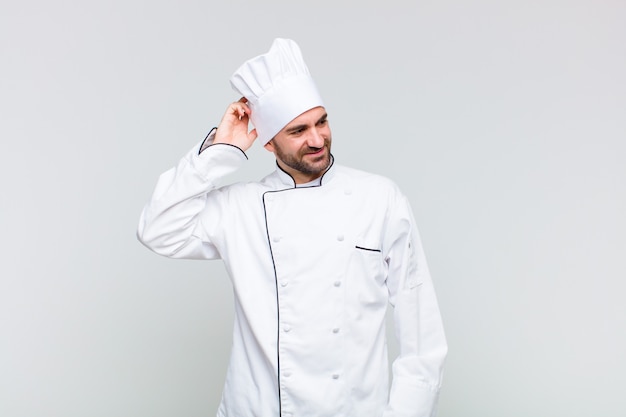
pixel 315 252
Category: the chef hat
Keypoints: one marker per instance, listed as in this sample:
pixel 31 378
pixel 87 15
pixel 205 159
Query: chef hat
pixel 278 87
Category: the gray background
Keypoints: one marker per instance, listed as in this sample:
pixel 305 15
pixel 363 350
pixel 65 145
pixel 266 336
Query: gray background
pixel 503 121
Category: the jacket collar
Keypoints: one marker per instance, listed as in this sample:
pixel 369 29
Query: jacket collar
pixel 286 180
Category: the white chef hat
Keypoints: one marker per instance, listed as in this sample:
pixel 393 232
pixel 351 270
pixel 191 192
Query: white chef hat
pixel 278 87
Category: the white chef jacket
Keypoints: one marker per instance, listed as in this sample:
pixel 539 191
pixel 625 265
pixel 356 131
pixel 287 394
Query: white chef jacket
pixel 313 270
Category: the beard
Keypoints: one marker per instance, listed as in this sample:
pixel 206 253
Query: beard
pixel 309 165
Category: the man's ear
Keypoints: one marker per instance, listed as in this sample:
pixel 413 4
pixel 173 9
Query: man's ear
pixel 269 146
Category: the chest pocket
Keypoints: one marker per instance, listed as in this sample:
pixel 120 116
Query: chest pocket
pixel 367 273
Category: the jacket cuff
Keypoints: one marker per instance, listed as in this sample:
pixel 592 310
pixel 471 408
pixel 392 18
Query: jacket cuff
pixel 216 161
pixel 412 399
pixel 208 141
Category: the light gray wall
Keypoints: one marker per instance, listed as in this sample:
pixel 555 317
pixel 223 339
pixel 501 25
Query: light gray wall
pixel 504 122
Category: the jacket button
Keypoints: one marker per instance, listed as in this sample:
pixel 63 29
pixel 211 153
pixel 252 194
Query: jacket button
pixel 347 191
pixel 336 330
pixel 276 239
pixel 287 329
pixel 340 238
pixel 284 283
pixel 335 376
pixel 337 284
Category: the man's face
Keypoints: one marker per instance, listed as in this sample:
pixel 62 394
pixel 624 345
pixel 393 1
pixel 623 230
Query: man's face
pixel 302 148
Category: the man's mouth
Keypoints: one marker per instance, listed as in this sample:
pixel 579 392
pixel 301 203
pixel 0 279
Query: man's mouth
pixel 316 152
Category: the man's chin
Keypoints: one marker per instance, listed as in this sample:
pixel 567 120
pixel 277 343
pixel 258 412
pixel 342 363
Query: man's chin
pixel 321 166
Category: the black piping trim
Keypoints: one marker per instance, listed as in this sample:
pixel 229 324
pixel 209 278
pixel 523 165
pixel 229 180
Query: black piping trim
pixel 207 137
pixel 292 178
pixel 369 249
pixel 267 232
pixel 228 144
pixel 212 133
pixel 332 161
pixel 269 243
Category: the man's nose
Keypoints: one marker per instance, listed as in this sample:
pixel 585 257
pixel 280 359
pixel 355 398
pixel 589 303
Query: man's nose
pixel 315 139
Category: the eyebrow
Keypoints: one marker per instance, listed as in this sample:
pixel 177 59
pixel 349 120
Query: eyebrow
pixel 305 126
pixel 296 128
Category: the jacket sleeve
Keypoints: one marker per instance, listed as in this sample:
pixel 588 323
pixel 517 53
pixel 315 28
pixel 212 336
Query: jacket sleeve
pixel 418 369
pixel 170 223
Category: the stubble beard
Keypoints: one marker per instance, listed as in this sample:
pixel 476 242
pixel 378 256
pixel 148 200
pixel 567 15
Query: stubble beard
pixel 298 162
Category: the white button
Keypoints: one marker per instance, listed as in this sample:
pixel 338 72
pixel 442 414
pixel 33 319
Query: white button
pixel 276 239
pixel 335 376
pixel 287 329
pixel 284 283
pixel 286 374
pixel 348 192
pixel 336 330
pixel 340 238
pixel 337 284
pixel 269 197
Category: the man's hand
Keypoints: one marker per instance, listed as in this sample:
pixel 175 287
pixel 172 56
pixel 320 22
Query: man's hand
pixel 233 128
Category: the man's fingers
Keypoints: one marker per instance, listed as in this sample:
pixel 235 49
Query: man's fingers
pixel 233 129
pixel 240 108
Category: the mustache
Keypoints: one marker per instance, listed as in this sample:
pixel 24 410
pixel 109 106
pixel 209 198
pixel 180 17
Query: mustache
pixel 311 149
